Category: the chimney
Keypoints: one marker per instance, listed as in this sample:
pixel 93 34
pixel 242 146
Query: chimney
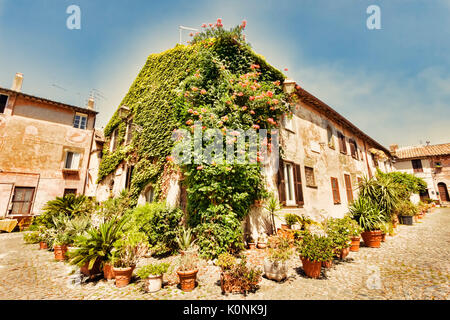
pixel 91 103
pixel 393 148
pixel 17 83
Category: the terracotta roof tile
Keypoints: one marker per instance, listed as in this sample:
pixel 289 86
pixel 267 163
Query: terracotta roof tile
pixel 423 151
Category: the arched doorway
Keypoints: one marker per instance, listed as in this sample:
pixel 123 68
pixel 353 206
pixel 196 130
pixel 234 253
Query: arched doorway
pixel 443 192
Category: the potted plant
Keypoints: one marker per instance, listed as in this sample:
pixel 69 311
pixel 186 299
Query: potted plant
pixel 126 255
pixel 152 274
pixel 369 216
pixel 186 241
pixel 251 242
pixel 384 227
pixel 338 230
pixel 187 271
pixel 315 249
pixel 60 245
pixel 406 211
pixel 275 265
pixel 236 276
pixel 272 206
pixel 290 220
pixel 262 241
pixel 355 235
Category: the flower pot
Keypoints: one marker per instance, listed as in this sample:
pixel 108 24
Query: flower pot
pixel 154 283
pixel 344 253
pixel 372 239
pixel 355 244
pixel 60 252
pixel 262 245
pixel 312 268
pixel 108 271
pixel 93 271
pixel 275 270
pixel 187 279
pixel 251 245
pixel 123 276
pixel 383 237
pixel 43 245
pixel 407 220
pixel 327 264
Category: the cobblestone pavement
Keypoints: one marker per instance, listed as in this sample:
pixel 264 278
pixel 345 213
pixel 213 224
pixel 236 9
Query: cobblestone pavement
pixel 414 264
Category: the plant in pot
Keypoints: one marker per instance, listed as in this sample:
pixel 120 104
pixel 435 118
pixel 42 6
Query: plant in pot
pixel 236 276
pixel 406 210
pixel 355 235
pixel 290 220
pixel 262 241
pixel 384 227
pixel 126 254
pixel 338 230
pixel 152 274
pixel 95 247
pixel 275 265
pixel 369 216
pixel 60 245
pixel 272 206
pixel 187 271
pixel 186 241
pixel 315 249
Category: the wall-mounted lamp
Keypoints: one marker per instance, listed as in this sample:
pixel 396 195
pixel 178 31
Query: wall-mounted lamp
pixel 288 86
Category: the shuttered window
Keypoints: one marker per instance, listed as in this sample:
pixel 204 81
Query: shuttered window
pixel 290 184
pixel 72 161
pixel 342 144
pixel 348 188
pixel 417 165
pixel 353 149
pixel 335 191
pixel 298 185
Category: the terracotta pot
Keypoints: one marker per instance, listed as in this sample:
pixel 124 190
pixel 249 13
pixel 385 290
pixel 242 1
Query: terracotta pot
pixel 262 245
pixel 91 272
pixel 108 271
pixel 154 283
pixel 383 237
pixel 355 244
pixel 344 253
pixel 327 264
pixel 227 284
pixel 311 268
pixel 275 270
pixel 372 239
pixel 251 245
pixel 187 279
pixel 60 252
pixel 43 245
pixel 123 276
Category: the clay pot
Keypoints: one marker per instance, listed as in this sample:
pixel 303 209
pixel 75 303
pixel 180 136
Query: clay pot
pixel 355 244
pixel 327 264
pixel 108 271
pixel 123 276
pixel 344 253
pixel 43 245
pixel 275 270
pixel 154 283
pixel 60 252
pixel 372 239
pixel 311 268
pixel 187 279
pixel 251 245
pixel 91 272
pixel 383 237
pixel 262 245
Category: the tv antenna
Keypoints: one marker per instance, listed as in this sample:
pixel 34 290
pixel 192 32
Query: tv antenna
pixel 181 28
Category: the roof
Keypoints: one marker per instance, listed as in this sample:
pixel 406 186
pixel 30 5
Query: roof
pixel 423 151
pixel 308 98
pixel 48 101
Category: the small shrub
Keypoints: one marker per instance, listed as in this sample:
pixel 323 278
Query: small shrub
pixel 32 237
pixel 152 269
pixel 226 261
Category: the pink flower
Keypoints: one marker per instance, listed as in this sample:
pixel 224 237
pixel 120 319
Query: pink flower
pixel 169 158
pixel 270 94
pixel 189 122
pixel 286 69
pixel 297 87
pixel 204 25
pixel 219 20
pixel 200 168
pixel 252 98
pixel 191 111
pixel 210 24
pixel 252 112
pixel 225 118
pixel 194 89
pixel 186 94
pixel 203 91
pixel 244 24
pixel 203 110
pixel 255 126
pixel 275 101
pixel 195 112
pixel 191 34
pixel 244 108
pixel 240 94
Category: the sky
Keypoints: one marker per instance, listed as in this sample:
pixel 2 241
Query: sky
pixel 392 83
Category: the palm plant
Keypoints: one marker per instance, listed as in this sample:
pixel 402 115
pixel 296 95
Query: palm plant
pixel 367 213
pixel 185 239
pixel 97 244
pixel 273 205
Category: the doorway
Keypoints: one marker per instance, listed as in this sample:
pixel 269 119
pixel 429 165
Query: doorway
pixel 443 192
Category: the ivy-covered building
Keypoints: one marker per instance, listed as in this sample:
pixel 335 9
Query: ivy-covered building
pixel 218 79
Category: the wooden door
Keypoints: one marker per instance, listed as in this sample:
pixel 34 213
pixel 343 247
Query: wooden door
pixel 443 192
pixel 22 200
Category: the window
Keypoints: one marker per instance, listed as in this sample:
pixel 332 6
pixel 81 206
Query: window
pixel 70 191
pixel 149 195
pixel 288 122
pixel 417 165
pixel 353 149
pixel 330 139
pixel 113 143
pixel 3 101
pixel 290 184
pixel 129 134
pixel 309 176
pixel 72 161
pixel 335 191
pixel 342 144
pixel 348 188
pixel 128 177
pixel 374 160
pixel 22 200
pixel 80 121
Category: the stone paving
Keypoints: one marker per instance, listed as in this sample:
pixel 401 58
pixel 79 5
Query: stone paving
pixel 414 264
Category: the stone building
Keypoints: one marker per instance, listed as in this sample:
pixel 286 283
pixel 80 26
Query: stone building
pixel 430 162
pixel 44 150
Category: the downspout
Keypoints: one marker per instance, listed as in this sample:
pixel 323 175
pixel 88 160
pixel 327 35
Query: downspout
pixel 35 194
pixel 367 161
pixel 89 158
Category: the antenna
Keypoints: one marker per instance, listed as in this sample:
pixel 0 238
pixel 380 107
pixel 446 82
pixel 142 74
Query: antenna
pixel 185 28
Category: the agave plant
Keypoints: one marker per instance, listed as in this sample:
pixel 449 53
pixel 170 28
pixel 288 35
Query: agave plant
pixel 367 213
pixel 185 239
pixel 97 244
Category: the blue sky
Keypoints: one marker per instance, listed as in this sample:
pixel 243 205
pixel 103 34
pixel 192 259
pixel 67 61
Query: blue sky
pixel 393 83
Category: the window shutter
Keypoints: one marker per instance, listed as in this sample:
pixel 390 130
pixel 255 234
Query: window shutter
pixel 348 187
pixel 281 183
pixel 335 191
pixel 75 161
pixel 298 184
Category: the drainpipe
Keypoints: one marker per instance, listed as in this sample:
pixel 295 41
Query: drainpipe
pixel 367 160
pixel 35 194
pixel 89 158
